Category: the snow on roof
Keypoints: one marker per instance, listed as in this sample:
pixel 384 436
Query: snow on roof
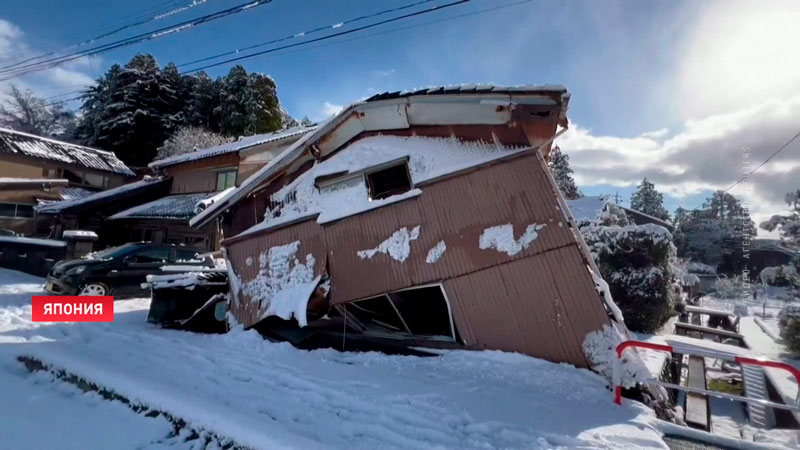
pixel 587 209
pixel 428 158
pixel 182 206
pixel 470 89
pixel 125 189
pixel 8 180
pixel 79 233
pixel 34 241
pixel 18 143
pixel 384 121
pixel 230 147
pixel 74 193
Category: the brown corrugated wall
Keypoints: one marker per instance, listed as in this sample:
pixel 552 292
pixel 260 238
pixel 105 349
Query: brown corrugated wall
pixel 541 301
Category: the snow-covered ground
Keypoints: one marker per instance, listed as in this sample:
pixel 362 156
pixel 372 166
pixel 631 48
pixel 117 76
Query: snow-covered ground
pixel 269 395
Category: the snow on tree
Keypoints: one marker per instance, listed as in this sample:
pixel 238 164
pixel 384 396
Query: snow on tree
pixel 248 104
pixel 133 109
pixel 140 110
pixel 714 234
pixel 638 263
pixel 562 173
pixel 789 224
pixel 648 200
pixel 188 139
pixel 23 111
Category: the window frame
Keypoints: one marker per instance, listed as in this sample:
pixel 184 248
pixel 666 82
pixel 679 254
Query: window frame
pixel 226 172
pixel 372 171
pixel 367 330
pixel 16 211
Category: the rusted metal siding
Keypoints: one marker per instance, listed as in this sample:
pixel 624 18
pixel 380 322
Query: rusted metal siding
pixel 540 301
pixel 538 305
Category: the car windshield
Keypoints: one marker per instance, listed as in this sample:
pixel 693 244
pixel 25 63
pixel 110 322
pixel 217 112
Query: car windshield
pixel 112 252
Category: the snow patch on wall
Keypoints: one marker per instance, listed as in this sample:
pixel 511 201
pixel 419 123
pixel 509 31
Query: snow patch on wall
pixel 398 245
pixel 501 238
pixel 283 284
pixel 436 252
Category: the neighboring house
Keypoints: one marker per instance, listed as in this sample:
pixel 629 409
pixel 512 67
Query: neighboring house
pixel 55 171
pixel 195 180
pixel 765 253
pixel 591 209
pixel 420 218
pixel 90 212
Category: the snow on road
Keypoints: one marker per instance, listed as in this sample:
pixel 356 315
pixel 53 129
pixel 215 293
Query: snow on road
pixel 39 412
pixel 270 395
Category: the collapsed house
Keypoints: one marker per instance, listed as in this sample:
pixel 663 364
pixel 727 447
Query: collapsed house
pixel 424 218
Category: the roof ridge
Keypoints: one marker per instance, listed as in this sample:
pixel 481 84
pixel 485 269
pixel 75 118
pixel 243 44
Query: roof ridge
pixel 44 138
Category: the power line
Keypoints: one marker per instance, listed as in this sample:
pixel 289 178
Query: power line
pixel 407 27
pixel 150 15
pixel 780 149
pixel 773 155
pixel 306 33
pixel 342 41
pixel 155 34
pixel 330 36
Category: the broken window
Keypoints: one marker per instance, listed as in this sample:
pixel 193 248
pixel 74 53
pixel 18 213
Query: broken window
pixel 389 181
pixel 419 312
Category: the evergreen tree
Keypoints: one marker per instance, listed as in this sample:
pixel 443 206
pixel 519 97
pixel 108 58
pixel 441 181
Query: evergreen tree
pixel 789 224
pixel 132 110
pixel 203 97
pixel 139 112
pixel 715 233
pixel 562 173
pixel 648 200
pixel 306 122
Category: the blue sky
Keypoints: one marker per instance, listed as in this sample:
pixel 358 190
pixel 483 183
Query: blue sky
pixel 668 90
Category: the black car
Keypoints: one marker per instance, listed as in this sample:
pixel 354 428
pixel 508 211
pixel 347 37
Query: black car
pixel 119 271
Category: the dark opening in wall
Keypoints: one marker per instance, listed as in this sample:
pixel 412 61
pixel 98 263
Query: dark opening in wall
pixel 417 312
pixel 387 182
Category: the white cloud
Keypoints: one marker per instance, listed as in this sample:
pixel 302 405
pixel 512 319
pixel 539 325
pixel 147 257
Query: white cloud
pixel 9 35
pixel 707 154
pixel 656 134
pixel 329 109
pixel 68 77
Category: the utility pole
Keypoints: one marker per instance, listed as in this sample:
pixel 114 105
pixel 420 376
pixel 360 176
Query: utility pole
pixel 616 197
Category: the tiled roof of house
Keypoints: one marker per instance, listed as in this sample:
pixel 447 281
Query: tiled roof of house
pixel 24 144
pixel 181 206
pixel 470 89
pixel 103 196
pixel 230 147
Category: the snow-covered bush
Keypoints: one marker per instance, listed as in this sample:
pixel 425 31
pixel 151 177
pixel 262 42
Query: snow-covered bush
pixel 190 139
pixel 725 287
pixel 789 324
pixel 635 260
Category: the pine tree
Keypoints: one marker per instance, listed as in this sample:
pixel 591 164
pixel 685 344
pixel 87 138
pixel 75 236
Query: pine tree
pixel 139 111
pixel 203 97
pixel 648 200
pixel 789 224
pixel 562 173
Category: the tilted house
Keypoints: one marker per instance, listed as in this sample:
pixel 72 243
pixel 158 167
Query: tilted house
pixel 419 218
pixel 35 170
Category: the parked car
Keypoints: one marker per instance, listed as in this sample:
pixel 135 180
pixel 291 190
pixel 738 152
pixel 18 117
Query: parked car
pixel 119 271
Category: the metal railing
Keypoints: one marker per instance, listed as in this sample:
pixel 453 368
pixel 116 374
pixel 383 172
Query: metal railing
pixel 707 353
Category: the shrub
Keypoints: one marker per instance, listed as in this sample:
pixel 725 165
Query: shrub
pixel 789 324
pixel 635 260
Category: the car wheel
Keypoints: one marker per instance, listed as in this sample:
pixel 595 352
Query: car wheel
pixel 94 289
